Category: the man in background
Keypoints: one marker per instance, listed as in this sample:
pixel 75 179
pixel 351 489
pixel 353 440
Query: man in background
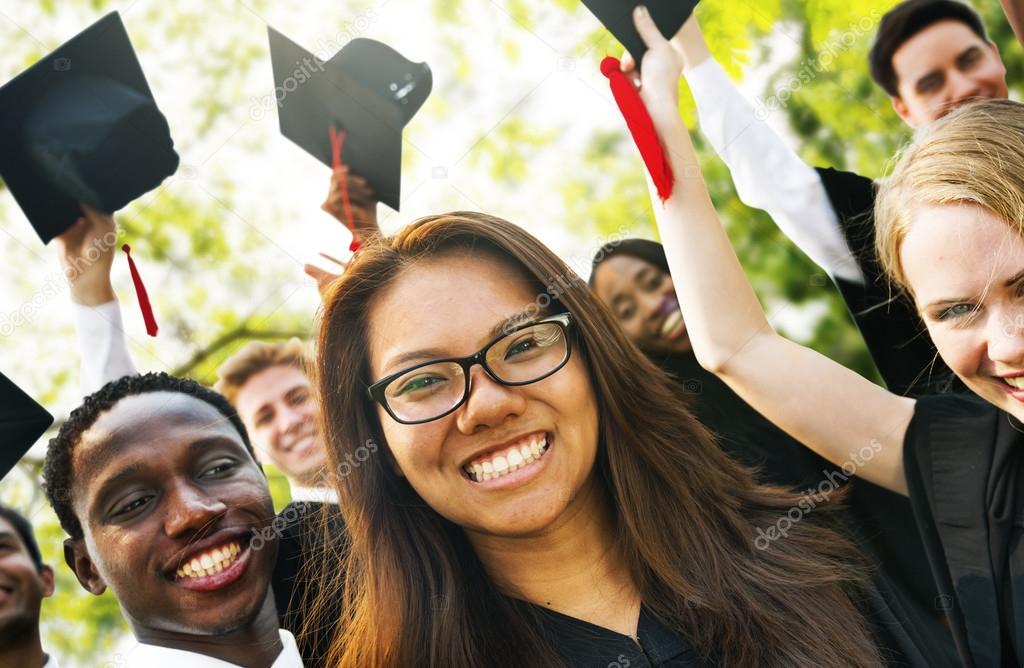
pixel 24 582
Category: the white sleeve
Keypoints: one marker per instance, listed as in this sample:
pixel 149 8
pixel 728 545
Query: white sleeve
pixel 767 173
pixel 102 345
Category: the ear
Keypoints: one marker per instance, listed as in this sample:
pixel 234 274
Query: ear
pixel 76 556
pixel 995 52
pixel 900 107
pixel 46 575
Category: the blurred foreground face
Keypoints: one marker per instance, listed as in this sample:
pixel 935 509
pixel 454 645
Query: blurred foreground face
pixel 511 461
pixel 965 267
pixel 169 498
pixel 279 412
pixel 22 586
pixel 643 299
pixel 942 67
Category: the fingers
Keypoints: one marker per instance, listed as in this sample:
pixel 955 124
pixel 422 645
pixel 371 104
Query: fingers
pixel 335 260
pixel 648 30
pixel 321 276
pixel 628 64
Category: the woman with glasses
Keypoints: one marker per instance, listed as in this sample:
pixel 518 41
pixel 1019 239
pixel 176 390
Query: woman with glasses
pixel 540 496
pixel 950 230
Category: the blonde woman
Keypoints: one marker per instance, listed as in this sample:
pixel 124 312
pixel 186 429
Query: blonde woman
pixel 949 232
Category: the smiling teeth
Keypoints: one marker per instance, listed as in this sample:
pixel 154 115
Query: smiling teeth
pixel 510 459
pixel 210 562
pixel 671 322
pixel 1017 382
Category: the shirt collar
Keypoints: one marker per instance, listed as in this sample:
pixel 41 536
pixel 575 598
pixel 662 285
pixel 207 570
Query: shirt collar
pixel 154 656
pixel 314 494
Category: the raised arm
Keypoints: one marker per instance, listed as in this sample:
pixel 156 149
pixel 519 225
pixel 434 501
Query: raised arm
pixel 86 253
pixel 766 171
pixel 832 410
pixel 1015 15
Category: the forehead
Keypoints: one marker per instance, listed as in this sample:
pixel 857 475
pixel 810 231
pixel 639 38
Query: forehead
pixel 934 46
pixel 450 303
pixel 269 385
pixel 619 272
pixel 142 428
pixel 957 250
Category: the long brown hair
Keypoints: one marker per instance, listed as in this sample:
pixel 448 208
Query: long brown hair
pixel 410 590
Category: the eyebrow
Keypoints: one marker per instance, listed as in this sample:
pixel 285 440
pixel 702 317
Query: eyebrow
pixel 427 354
pixel 1016 278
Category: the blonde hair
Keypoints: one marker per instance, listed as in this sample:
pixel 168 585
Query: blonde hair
pixel 253 358
pixel 973 156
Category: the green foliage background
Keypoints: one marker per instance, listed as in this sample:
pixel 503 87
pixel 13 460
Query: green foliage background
pixel 219 283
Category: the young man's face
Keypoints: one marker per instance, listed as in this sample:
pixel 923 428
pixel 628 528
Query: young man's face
pixel 22 586
pixel 168 498
pixel 281 416
pixel 942 67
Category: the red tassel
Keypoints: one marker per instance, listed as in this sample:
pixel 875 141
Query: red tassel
pixel 140 291
pixel 640 125
pixel 337 139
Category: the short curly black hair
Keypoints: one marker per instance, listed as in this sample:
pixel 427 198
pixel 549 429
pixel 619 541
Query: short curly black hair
pixel 57 473
pixel 906 20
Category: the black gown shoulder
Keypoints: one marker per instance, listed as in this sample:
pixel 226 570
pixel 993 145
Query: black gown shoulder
pixel 887 320
pixel 964 464
pixel 311 537
pixel 901 606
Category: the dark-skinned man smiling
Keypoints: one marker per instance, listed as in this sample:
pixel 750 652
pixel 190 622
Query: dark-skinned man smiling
pixel 155 481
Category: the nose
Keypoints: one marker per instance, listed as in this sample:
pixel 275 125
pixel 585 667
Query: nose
pixel 489 403
pixel 290 418
pixel 649 305
pixel 961 88
pixel 189 508
pixel 1006 339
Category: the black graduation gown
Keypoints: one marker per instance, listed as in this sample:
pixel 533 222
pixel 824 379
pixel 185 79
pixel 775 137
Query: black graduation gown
pixel 585 645
pixel 964 463
pixel 294 581
pixel 902 607
pixel 892 330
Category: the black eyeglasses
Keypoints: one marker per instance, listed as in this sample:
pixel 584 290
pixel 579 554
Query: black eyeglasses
pixel 431 390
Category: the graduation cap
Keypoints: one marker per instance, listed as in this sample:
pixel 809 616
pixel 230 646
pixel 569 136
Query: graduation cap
pixel 81 125
pixel 22 422
pixel 617 16
pixel 367 90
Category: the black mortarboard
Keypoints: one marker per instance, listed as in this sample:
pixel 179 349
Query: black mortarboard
pixel 22 422
pixel 81 126
pixel 617 16
pixel 368 90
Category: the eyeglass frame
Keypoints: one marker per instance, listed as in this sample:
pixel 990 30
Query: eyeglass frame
pixel 565 321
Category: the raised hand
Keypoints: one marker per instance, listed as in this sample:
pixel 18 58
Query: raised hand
pixel 86 254
pixel 323 277
pixel 361 199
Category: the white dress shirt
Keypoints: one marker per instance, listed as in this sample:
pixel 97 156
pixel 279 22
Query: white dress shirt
pixel 767 173
pixel 154 656
pixel 102 344
pixel 314 494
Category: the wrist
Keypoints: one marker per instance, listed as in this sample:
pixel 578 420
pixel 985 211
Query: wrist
pixel 92 295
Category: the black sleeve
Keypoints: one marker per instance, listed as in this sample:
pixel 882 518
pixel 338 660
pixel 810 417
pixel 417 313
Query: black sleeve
pixel 888 322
